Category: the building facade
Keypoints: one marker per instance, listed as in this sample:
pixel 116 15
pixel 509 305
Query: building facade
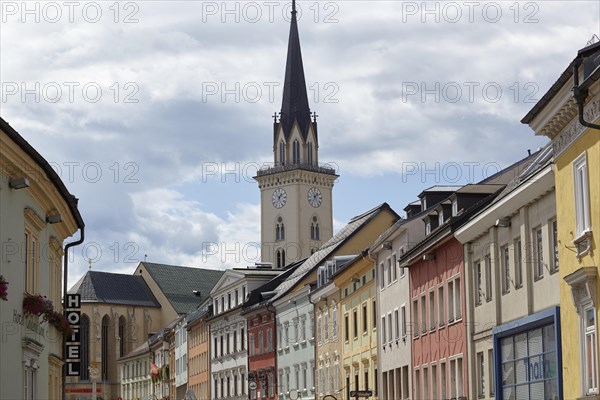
pixel 568 114
pixel 229 330
pixel 512 290
pixel 37 215
pixel 358 333
pixel 135 375
pixel 199 353
pixel 392 303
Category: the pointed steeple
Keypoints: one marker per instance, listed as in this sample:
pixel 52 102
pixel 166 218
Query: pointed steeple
pixel 295 99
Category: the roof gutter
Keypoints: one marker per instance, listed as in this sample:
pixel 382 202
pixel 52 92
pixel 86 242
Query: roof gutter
pixel 65 274
pixel 580 93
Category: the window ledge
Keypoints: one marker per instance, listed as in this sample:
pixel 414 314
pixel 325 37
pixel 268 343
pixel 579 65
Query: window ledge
pixel 583 244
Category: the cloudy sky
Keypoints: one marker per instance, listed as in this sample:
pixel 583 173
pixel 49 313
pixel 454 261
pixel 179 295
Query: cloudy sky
pixel 156 114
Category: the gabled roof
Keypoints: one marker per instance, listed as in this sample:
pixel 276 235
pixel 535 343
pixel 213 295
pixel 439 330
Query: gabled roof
pixel 328 248
pixel 178 283
pixel 106 287
pixel 144 348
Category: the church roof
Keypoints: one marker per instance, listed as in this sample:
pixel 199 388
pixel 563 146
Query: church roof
pixel 328 249
pixel 178 283
pixel 106 287
pixel 294 106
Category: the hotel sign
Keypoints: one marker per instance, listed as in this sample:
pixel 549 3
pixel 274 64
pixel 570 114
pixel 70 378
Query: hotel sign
pixel 73 344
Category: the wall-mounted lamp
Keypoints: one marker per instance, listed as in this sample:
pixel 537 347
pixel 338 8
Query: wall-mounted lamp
pixel 54 219
pixel 503 222
pixel 18 183
pixel 428 257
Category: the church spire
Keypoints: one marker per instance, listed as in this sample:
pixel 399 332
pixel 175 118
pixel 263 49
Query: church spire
pixel 295 99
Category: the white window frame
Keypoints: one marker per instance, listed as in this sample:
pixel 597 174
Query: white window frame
pixel 553 235
pixel 505 263
pixel 585 333
pixel 518 261
pixel 478 277
pixel 432 313
pixel 582 195
pixel 441 305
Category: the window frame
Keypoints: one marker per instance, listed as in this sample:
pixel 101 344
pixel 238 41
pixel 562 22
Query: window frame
pixel 581 195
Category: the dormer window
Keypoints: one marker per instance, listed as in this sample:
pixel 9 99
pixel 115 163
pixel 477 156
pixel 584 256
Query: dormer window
pixel 427 228
pixel 441 218
pixel 454 208
pixel 423 203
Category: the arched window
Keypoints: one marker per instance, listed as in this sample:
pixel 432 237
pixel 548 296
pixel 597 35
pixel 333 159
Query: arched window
pixel 84 332
pixel 281 153
pixel 279 229
pixel 104 355
pixel 280 258
pixel 296 152
pixel 315 234
pixel 122 338
pixel 310 153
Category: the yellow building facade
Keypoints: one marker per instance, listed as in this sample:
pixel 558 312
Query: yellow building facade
pixel 577 174
pixel 358 323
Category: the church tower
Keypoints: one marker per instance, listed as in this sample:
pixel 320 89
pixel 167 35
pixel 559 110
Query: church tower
pixel 296 192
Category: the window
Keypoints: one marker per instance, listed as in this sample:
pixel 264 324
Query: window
pixel 432 322
pixel 539 253
pixel 325 325
pixel 394 268
pixel 381 276
pixel 491 371
pixel 480 375
pixel 415 317
pixel 390 328
pixel 235 341
pixel 582 207
pixel 279 229
pixel 488 278
pixel 441 306
pixel 242 336
pixel 261 343
pixel 441 218
pixel 456 378
pixel 590 351
pixel 397 323
pixel 31 259
pixel 346 327
pixel 334 326
pixel 374 313
pixel 478 280
pixel 122 338
pixel 434 384
pixel 319 330
pixel 84 351
pixel 280 257
pixel 310 153
pixel 554 246
pixel 296 151
pixel 383 332
pixel 427 228
pixel 389 271
pixel 303 327
pixel 455 208
pixel 505 260
pixel 251 344
pixel 423 314
pixel 105 350
pixel 443 383
pixel 364 317
pixel 216 306
pixel 518 264
pixel 417 384
pixel 282 152
pixel 403 312
pixel 314 229
pixel 454 300
pixel 355 323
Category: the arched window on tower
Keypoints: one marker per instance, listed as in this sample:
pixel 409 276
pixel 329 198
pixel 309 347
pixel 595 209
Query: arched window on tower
pixel 282 153
pixel 279 229
pixel 84 332
pixel 280 258
pixel 315 233
pixel 122 338
pixel 296 152
pixel 104 342
pixel 310 154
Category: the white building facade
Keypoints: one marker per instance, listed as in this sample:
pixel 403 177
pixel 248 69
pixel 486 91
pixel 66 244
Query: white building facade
pixel 228 331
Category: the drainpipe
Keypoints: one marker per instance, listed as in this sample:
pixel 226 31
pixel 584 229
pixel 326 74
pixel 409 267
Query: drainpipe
pixel 580 94
pixel 65 274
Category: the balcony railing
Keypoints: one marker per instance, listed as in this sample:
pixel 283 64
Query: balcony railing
pixel 321 168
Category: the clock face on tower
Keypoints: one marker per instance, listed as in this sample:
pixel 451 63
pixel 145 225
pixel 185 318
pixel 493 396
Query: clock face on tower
pixel 279 198
pixel 314 197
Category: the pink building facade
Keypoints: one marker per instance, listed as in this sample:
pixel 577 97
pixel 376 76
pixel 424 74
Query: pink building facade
pixel 438 323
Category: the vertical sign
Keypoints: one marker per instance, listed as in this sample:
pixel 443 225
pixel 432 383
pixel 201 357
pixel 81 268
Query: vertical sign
pixel 73 345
